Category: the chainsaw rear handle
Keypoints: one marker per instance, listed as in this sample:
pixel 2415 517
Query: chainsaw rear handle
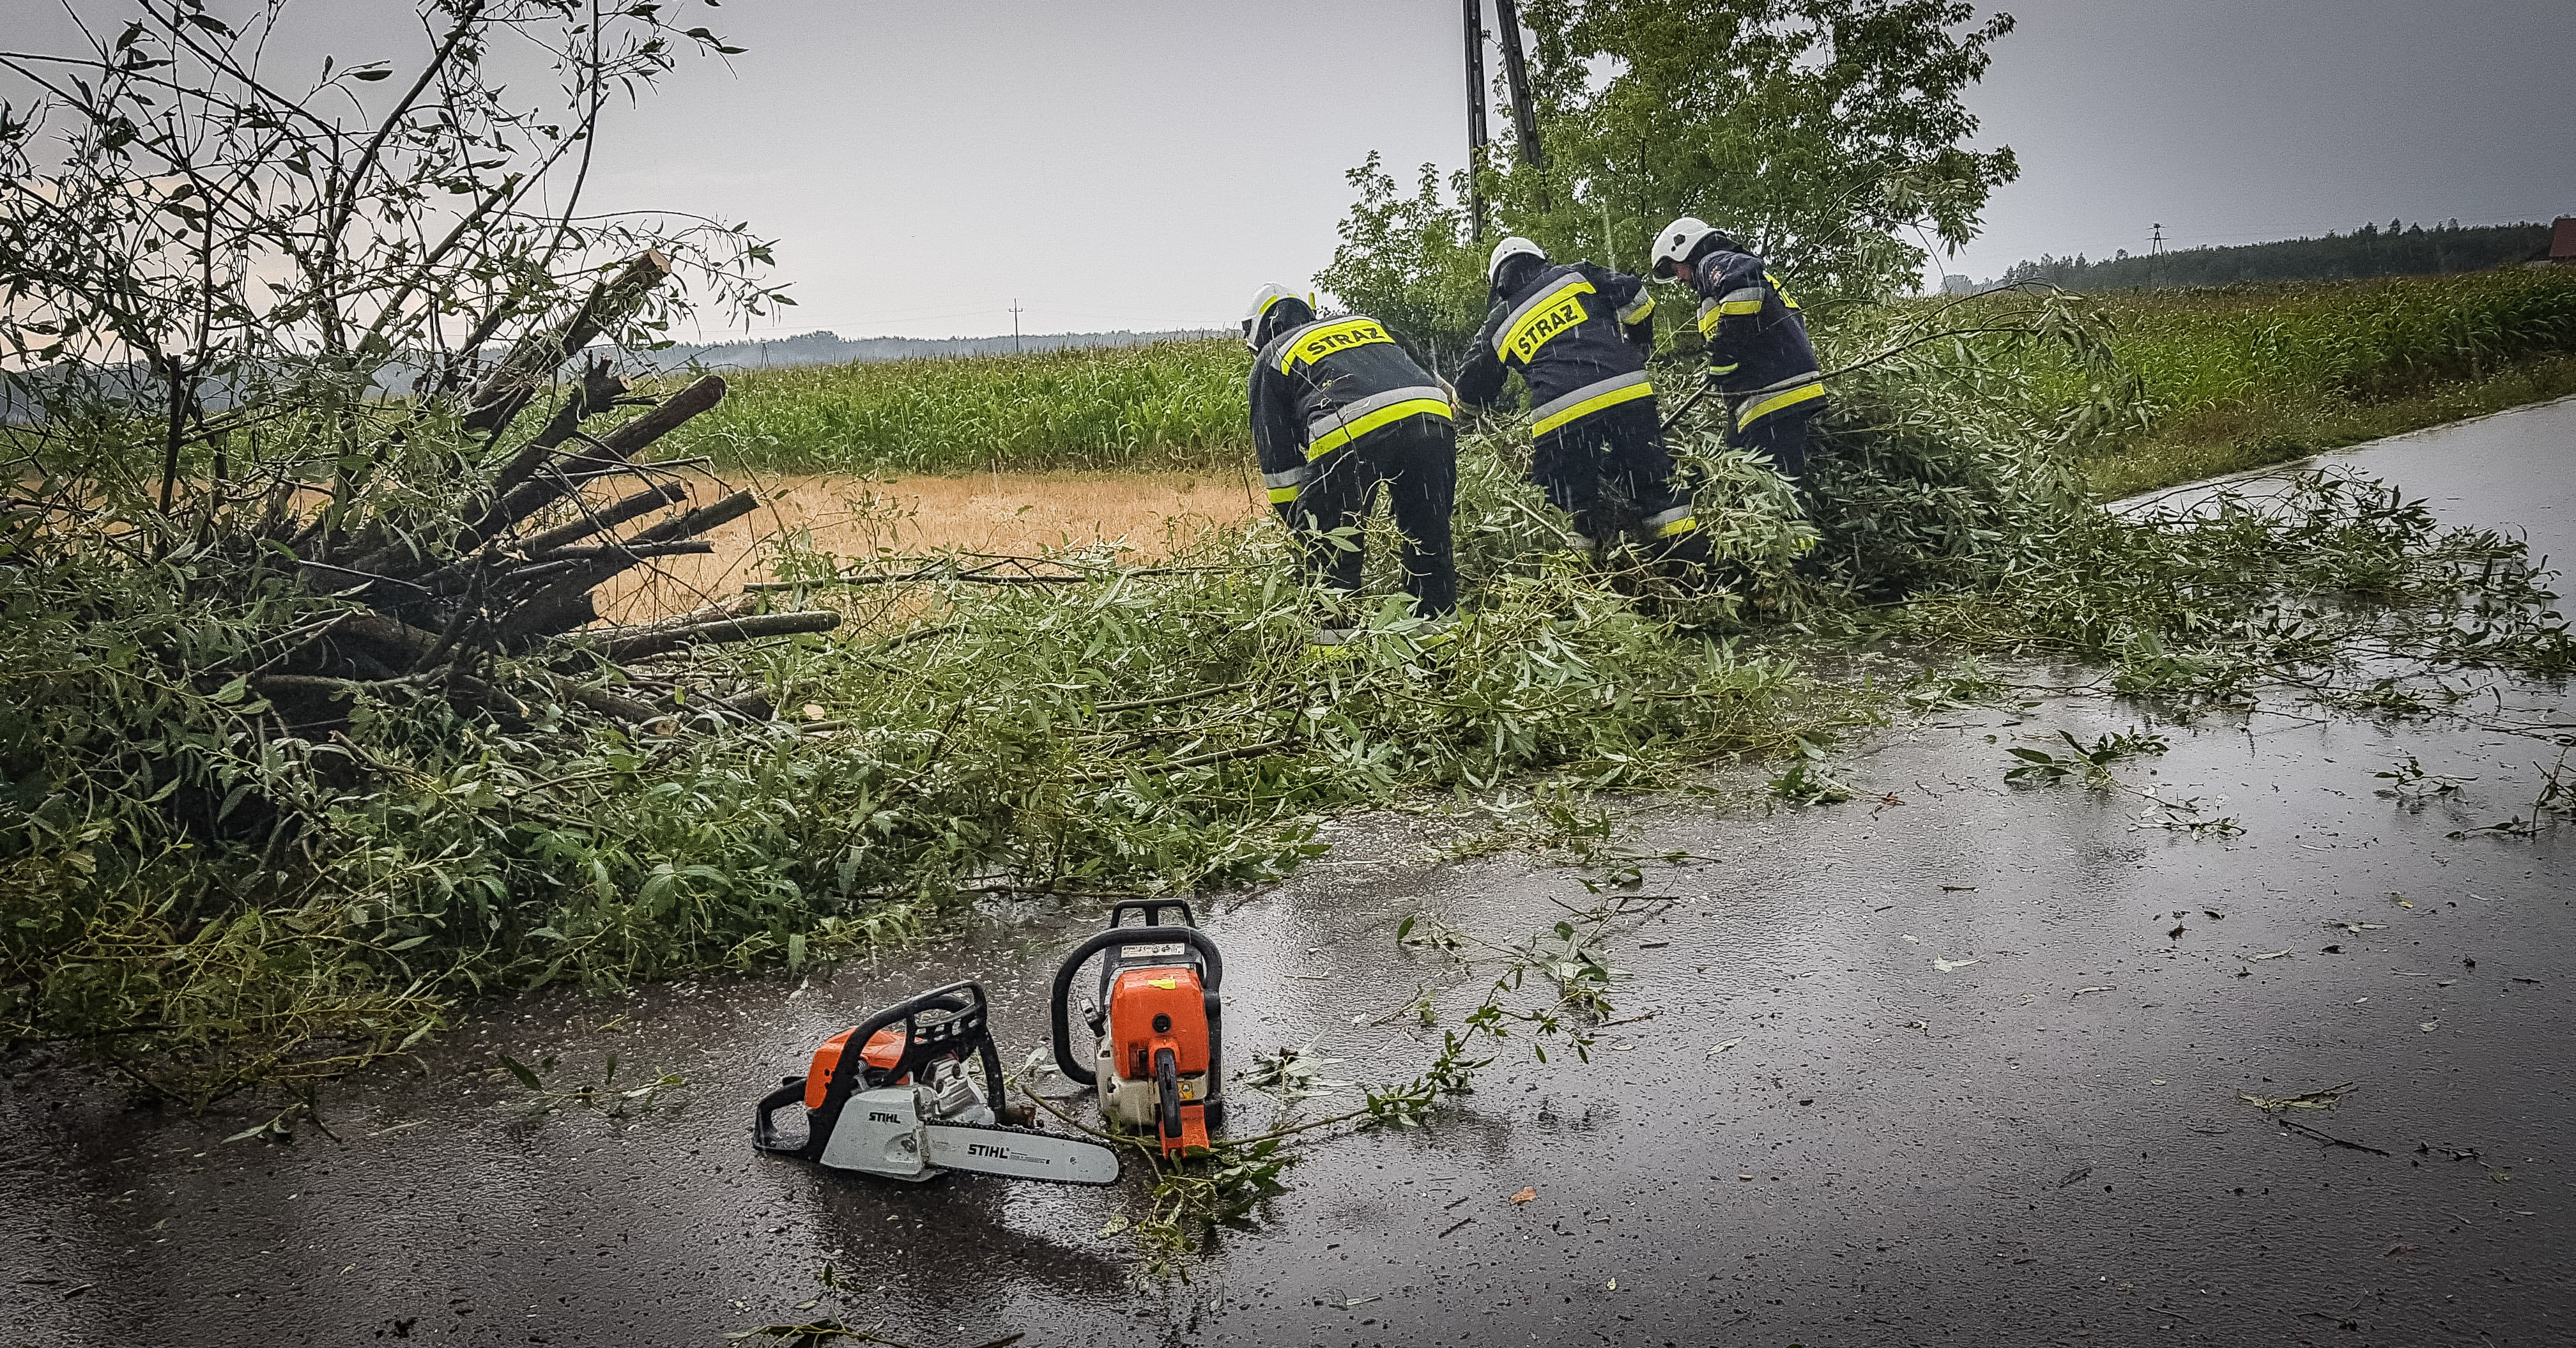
pixel 1153 910
pixel 1062 1011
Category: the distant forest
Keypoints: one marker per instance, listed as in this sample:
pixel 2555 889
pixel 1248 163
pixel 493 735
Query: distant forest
pixel 2372 250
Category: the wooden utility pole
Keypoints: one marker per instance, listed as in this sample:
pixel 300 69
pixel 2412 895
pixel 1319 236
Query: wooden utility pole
pixel 1476 140
pixel 1015 327
pixel 1507 18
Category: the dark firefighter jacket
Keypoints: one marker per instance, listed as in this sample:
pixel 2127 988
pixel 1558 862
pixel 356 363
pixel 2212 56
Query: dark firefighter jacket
pixel 1757 342
pixel 1317 388
pixel 1579 337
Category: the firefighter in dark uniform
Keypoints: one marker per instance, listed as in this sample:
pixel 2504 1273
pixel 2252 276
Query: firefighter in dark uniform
pixel 1759 358
pixel 1339 408
pixel 1579 335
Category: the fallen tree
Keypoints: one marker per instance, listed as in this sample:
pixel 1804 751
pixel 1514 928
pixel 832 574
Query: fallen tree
pixel 513 566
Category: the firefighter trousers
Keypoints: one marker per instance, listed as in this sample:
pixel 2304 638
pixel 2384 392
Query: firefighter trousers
pixel 1416 461
pixel 1613 462
pixel 1783 438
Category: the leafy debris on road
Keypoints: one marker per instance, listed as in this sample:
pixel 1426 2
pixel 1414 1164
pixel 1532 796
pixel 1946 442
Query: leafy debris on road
pixel 2323 1099
pixel 2278 1106
pixel 1292 1073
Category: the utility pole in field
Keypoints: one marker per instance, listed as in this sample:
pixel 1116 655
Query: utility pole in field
pixel 1507 19
pixel 1015 327
pixel 1475 13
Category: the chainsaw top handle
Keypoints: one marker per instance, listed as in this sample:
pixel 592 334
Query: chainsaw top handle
pixel 1152 910
pixel 1066 1060
pixel 964 1027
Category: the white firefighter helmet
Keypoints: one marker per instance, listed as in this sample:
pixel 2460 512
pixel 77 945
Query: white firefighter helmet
pixel 1678 240
pixel 1515 246
pixel 1268 296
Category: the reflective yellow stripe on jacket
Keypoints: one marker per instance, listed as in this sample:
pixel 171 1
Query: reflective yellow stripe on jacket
pixel 1589 399
pixel 1283 486
pixel 1756 408
pixel 1330 433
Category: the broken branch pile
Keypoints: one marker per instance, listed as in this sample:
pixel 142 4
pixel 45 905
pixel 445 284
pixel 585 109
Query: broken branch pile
pixel 444 597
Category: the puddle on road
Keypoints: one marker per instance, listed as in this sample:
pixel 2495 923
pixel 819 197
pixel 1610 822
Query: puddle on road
pixel 2042 1139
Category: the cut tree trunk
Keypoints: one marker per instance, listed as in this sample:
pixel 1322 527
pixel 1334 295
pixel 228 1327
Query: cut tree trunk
pixel 441 600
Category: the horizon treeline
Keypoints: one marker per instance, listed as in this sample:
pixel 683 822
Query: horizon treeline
pixel 2395 249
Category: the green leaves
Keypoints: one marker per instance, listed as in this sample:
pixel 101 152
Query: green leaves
pixel 1805 782
pixel 2093 761
pixel 527 1076
pixel 1824 133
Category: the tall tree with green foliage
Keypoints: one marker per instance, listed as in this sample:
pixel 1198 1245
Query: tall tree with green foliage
pixel 1827 134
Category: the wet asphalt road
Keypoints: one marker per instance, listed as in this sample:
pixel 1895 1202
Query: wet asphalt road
pixel 2044 1145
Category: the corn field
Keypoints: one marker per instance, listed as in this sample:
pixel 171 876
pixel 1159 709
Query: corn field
pixel 1163 404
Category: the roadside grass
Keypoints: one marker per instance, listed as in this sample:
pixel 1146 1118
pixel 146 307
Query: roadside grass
pixel 2235 436
pixel 2233 377
pixel 2239 377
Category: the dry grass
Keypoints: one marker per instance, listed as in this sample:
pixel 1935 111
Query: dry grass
pixel 855 518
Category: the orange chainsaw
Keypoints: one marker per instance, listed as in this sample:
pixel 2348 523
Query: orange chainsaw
pixel 1157 1046
pixel 893 1096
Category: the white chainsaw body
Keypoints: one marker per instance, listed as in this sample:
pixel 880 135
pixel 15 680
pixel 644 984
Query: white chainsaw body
pixel 914 1132
pixel 887 1131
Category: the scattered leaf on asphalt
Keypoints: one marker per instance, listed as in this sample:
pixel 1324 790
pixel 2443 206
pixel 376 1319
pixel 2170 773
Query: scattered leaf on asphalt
pixel 1915 939
pixel 2271 955
pixel 2430 1025
pixel 2324 1099
pixel 1958 889
pixel 2176 932
pixel 1724 1044
pixel 2104 987
pixel 1526 1195
pixel 1946 966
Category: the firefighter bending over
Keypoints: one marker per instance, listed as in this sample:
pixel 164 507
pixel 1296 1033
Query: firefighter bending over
pixel 1759 358
pixel 1339 407
pixel 1579 336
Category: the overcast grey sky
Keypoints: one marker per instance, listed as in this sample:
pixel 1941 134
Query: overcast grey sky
pixel 1137 164
pixel 1148 165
